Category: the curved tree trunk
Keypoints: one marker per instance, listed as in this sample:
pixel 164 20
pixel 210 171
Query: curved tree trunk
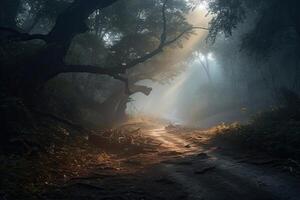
pixel 33 73
pixel 113 109
pixel 115 106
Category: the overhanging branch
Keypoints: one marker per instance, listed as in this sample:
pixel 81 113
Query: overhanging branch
pixel 15 35
pixel 183 33
pixel 163 43
pixel 92 69
pixel 125 81
pixel 163 40
pixel 140 88
pixel 132 88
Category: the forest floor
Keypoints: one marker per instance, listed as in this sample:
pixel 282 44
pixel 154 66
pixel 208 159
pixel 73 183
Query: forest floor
pixel 181 163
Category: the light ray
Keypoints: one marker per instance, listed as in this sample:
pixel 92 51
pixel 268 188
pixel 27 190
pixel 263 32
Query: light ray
pixel 162 101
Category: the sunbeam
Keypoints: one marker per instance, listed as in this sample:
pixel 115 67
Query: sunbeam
pixel 162 101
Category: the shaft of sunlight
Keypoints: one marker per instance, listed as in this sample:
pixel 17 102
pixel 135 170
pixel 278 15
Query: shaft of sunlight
pixel 161 103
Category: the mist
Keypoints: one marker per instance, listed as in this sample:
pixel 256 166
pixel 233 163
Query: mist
pixel 204 93
pixel 149 99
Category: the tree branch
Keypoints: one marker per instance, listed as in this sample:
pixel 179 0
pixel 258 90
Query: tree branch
pixel 141 88
pixel 163 36
pixel 131 89
pixel 125 81
pixel 18 36
pixel 113 72
pixel 73 20
pixel 92 69
pixel 163 40
pixel 183 33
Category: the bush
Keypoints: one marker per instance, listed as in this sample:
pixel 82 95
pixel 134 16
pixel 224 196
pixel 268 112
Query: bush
pixel 276 132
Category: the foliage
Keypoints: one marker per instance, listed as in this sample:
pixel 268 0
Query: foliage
pixel 275 20
pixel 42 153
pixel 80 36
pixel 276 132
pixel 228 14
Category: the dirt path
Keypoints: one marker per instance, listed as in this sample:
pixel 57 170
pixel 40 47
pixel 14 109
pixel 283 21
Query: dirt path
pixel 181 169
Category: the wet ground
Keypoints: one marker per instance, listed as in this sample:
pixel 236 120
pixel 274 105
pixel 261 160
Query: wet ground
pixel 183 166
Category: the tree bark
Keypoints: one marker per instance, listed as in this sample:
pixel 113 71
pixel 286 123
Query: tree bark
pixel 113 109
pixel 49 62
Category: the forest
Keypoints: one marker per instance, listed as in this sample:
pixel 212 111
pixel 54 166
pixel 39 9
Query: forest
pixel 150 99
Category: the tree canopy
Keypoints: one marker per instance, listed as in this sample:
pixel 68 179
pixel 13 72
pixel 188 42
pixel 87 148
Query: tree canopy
pixel 275 22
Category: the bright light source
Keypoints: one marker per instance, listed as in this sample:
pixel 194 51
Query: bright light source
pixel 201 57
pixel 200 4
pixel 203 5
pixel 210 56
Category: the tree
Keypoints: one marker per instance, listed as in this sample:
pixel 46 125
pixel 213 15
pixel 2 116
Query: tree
pixel 274 20
pixel 138 37
pixel 263 40
pixel 70 23
pixel 114 38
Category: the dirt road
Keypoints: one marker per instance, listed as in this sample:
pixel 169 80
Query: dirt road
pixel 181 168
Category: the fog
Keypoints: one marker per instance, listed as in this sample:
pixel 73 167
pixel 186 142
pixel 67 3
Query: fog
pixel 194 97
pixel 190 98
pixel 224 62
pixel 219 82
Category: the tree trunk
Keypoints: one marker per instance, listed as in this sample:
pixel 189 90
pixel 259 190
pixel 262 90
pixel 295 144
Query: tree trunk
pixel 113 108
pixel 49 62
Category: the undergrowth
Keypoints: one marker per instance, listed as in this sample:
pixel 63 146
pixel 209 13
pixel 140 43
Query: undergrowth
pixel 276 132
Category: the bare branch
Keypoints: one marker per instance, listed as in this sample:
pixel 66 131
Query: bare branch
pixel 183 33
